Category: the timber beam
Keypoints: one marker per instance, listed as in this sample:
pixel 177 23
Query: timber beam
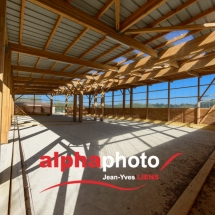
pixel 58 57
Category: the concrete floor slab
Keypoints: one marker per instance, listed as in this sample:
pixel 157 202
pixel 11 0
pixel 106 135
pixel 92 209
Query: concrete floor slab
pixel 103 139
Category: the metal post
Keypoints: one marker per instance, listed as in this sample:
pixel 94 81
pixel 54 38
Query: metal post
pixel 51 104
pixel 102 105
pixel 198 103
pixel 131 102
pixel 81 106
pixel 74 107
pixel 123 102
pixel 66 104
pixel 95 105
pixel 168 111
pixel 147 101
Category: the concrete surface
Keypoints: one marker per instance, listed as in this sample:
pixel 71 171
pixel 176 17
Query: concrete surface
pixel 205 203
pixel 44 135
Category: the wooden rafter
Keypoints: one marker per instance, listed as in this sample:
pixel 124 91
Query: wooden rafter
pixel 170 28
pixel 173 12
pixel 58 57
pixel 57 23
pixel 117 14
pixel 21 20
pixel 76 40
pixel 94 46
pixel 106 52
pixel 140 13
pixel 104 8
pixel 66 67
pixel 74 14
pixel 191 20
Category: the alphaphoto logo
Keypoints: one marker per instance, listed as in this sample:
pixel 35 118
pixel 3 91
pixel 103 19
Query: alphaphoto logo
pixel 107 162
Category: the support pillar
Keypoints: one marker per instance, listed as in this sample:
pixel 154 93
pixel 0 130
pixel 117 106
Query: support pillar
pixel 6 115
pixel 74 107
pixel 95 105
pixel 198 103
pixel 102 105
pixel 131 102
pixel 147 101
pixel 168 110
pixel 123 101
pixel 2 55
pixel 34 105
pixel 89 104
pixel 81 106
pixel 113 103
pixel 66 104
pixel 51 104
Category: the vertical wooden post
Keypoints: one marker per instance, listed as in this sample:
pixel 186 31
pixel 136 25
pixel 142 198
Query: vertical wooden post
pixel 113 103
pixel 81 106
pixel 89 104
pixel 102 105
pixel 66 104
pixel 74 107
pixel 131 102
pixel 2 55
pixel 95 105
pixel 51 104
pixel 168 105
pixel 123 102
pixel 147 101
pixel 198 103
pixel 5 126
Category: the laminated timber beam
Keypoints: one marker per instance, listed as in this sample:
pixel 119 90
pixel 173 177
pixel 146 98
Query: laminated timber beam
pixel 198 45
pixel 170 28
pixel 21 20
pixel 117 14
pixel 58 57
pixel 39 80
pixel 72 13
pixel 48 72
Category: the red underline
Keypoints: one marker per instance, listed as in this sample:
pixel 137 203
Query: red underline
pixel 94 182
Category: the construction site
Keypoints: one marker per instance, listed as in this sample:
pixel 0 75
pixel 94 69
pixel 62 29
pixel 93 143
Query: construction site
pixel 107 107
